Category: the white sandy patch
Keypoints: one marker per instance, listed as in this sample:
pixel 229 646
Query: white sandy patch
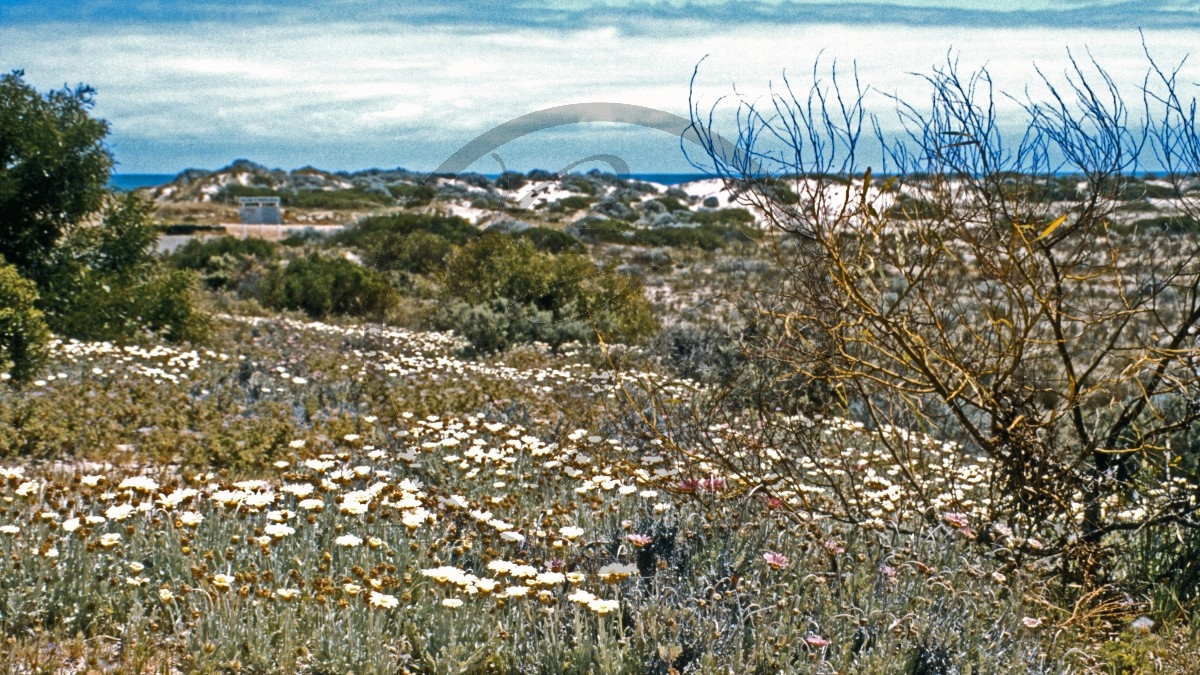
pixel 466 212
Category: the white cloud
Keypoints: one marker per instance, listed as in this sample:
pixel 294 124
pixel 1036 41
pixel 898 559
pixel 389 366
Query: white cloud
pixel 401 94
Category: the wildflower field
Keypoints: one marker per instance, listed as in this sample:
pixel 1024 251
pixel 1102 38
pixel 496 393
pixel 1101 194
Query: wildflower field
pixel 306 497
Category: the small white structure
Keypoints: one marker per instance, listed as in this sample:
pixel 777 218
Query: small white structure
pixel 260 211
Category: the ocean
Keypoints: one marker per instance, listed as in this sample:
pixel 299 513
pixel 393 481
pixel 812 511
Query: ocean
pixel 133 181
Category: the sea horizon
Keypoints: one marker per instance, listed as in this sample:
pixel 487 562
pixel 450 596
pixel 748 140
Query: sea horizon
pixel 134 181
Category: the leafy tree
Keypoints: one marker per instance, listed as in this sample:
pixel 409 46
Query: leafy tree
pixel 23 331
pixel 105 282
pixel 99 280
pixel 54 168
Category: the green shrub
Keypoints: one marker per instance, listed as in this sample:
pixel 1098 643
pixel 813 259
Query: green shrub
pixel 1165 224
pixel 23 331
pixel 551 241
pixel 723 217
pixel 198 253
pixel 326 286
pixel 574 203
pixel 671 204
pixel 107 283
pixel 578 184
pixel 367 232
pixel 225 262
pixel 704 237
pixel 413 195
pixel 232 192
pixel 188 228
pixel 606 231
pixel 408 242
pixel 511 180
pixel 913 208
pixel 708 237
pixel 121 307
pixel 501 290
pixel 352 199
pixel 419 252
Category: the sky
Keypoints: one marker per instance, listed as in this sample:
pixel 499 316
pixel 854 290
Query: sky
pixel 345 85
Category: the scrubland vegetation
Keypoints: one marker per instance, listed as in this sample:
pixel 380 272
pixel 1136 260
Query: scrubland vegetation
pixel 935 418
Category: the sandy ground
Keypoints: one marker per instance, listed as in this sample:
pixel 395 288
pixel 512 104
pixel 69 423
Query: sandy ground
pixel 170 242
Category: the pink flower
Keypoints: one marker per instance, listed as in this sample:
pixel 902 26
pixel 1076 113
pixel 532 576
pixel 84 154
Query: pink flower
pixel 1031 622
pixel 774 503
pixel 639 540
pixel 958 520
pixel 776 560
pixel 688 485
pixel 816 641
pixel 712 483
pixel 835 547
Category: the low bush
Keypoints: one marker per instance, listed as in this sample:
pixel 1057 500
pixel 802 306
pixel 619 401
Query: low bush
pixel 368 232
pixel 511 180
pixel 419 252
pixel 197 253
pixel 344 200
pixel 413 195
pixel 707 237
pixel 322 287
pixel 736 216
pixel 573 203
pixel 1166 224
pixel 551 241
pixel 189 228
pixel 502 290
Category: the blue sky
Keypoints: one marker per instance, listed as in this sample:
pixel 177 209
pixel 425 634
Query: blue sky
pixel 386 83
